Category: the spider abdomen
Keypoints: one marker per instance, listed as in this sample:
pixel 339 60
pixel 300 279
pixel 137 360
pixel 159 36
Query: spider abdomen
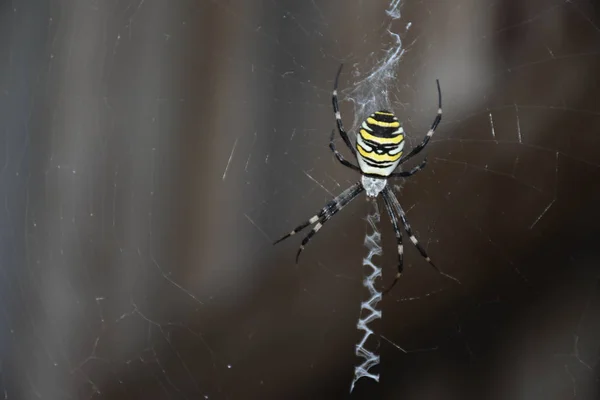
pixel 379 144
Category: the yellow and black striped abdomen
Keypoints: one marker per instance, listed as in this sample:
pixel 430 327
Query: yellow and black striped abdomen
pixel 379 144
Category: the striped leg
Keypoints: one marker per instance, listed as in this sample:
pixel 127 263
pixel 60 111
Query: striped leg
pixel 387 193
pixel 326 212
pixel 405 174
pixel 340 202
pixel 338 116
pixel 392 215
pixel 434 126
pixel 339 156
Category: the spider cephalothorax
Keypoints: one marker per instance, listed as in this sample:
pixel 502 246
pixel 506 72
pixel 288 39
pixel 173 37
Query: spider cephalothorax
pixel 379 145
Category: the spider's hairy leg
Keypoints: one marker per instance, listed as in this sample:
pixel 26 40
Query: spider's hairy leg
pixel 389 196
pixel 434 125
pixel 406 174
pixel 324 211
pixel 398 233
pixel 308 222
pixel 332 207
pixel 396 204
pixel 339 203
pixel 340 158
pixel 338 115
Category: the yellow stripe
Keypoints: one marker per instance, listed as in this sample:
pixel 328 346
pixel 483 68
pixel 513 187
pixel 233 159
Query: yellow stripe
pixel 393 140
pixel 384 113
pixel 372 121
pixel 377 157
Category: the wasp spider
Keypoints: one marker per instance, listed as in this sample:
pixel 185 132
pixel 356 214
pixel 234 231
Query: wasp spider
pixel 379 145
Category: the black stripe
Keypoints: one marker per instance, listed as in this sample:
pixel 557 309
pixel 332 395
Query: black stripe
pixel 370 142
pixel 383 118
pixel 378 164
pixel 386 147
pixel 375 152
pixel 380 131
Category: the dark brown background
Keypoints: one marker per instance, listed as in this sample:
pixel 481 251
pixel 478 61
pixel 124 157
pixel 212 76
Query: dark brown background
pixel 133 267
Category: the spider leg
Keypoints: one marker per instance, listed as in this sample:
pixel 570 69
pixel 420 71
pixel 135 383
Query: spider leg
pixel 332 204
pixel 339 156
pixel 339 203
pixel 303 225
pixel 327 212
pixel 324 211
pixel 392 215
pixel 413 171
pixel 338 116
pixel 387 193
pixel 434 125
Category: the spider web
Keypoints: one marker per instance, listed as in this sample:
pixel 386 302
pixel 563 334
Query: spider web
pixel 152 150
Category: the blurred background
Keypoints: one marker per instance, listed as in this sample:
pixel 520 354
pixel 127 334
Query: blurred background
pixel 152 150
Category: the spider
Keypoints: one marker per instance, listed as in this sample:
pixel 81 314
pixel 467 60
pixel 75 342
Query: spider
pixel 379 145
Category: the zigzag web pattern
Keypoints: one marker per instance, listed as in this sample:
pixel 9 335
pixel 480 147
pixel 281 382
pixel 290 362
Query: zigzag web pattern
pixel 368 309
